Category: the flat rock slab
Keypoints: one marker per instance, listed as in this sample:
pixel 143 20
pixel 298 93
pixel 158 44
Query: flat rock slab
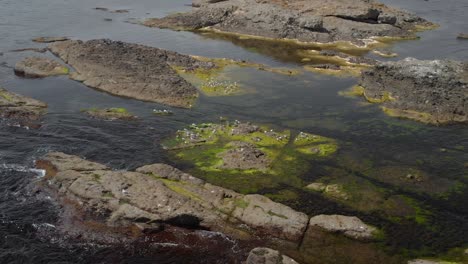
pixel 161 193
pixel 428 91
pixel 39 67
pixel 303 20
pixel 16 106
pixel 350 226
pixel 130 70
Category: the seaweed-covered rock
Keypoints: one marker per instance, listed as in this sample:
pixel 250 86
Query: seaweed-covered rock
pixel 130 70
pixel 247 157
pixel 427 91
pixel 161 193
pixel 304 20
pixel 110 114
pixel 268 256
pixel 20 107
pixel 38 67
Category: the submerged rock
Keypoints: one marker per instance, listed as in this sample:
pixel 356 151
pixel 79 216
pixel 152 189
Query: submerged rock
pixel 427 91
pixel 232 154
pixel 161 193
pixel 268 256
pixel 350 226
pixel 130 70
pixel 38 67
pixel 303 20
pixel 20 107
pixel 49 39
pixel 110 114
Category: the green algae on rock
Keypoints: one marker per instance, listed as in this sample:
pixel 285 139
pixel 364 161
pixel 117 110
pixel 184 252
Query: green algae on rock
pixel 247 157
pixel 110 113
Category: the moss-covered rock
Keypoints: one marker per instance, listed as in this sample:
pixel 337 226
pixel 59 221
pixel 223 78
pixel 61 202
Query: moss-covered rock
pixel 114 113
pixel 247 157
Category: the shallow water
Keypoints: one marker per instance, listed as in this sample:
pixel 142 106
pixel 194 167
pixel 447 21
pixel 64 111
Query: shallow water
pixel 307 102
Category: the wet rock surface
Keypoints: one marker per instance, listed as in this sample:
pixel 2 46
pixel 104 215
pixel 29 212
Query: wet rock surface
pixel 428 91
pixel 20 107
pixel 38 67
pixel 130 70
pixel 268 256
pixel 307 21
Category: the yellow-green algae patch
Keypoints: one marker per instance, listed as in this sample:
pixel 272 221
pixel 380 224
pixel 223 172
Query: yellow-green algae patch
pixel 284 159
pixel 215 81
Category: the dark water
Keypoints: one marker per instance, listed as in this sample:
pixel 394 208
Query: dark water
pixel 307 102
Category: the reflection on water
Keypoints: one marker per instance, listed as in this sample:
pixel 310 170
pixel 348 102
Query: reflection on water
pixel 379 161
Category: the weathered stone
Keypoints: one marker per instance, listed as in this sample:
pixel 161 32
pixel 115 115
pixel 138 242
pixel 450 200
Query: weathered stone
pixel 462 36
pixel 37 67
pixel 350 226
pixel 130 70
pixel 165 194
pixel 268 256
pixel 427 91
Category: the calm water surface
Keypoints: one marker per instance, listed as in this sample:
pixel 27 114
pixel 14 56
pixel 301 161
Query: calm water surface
pixel 308 102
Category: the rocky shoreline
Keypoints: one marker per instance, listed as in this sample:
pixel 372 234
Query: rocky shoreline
pixel 159 194
pixel 21 108
pixel 356 21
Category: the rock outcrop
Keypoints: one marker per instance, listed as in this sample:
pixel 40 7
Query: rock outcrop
pixel 130 70
pixel 268 256
pixel 38 67
pixel 303 20
pixel 20 107
pixel 428 91
pixel 161 194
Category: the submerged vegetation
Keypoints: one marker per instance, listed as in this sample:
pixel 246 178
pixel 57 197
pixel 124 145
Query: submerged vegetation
pixel 246 157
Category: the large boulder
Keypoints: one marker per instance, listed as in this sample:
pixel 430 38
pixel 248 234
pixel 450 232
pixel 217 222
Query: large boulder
pixel 304 20
pixel 161 193
pixel 428 91
pixel 130 70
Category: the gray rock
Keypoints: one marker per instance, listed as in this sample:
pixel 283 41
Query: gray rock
pixel 350 226
pixel 38 67
pixel 268 256
pixel 130 70
pixel 160 193
pixel 428 91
